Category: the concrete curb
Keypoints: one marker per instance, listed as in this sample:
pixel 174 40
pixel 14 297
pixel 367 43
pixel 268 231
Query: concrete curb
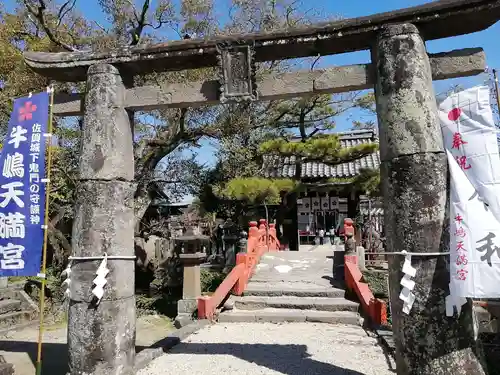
pixel 385 336
pixel 144 357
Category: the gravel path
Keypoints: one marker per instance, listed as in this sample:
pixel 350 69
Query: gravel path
pixel 19 347
pixel 265 348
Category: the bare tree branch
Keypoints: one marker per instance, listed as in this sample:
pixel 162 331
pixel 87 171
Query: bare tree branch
pixel 70 4
pixel 39 13
pixel 141 22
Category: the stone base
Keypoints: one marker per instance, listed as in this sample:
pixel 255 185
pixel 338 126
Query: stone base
pixel 186 309
pixel 182 320
pixel 187 306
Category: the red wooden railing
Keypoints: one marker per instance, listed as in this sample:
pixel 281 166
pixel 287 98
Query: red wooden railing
pixel 260 240
pixel 373 307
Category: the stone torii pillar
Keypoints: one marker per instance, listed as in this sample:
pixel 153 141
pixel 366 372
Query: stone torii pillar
pixel 101 339
pixel 414 183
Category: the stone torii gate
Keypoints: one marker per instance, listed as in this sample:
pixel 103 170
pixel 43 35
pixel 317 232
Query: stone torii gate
pixel 414 168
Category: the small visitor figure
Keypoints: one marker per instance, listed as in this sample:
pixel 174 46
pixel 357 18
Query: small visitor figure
pixel 321 236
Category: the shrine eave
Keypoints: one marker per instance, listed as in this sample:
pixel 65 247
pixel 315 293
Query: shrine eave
pixel 436 20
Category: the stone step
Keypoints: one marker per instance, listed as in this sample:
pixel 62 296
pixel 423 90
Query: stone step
pixel 11 320
pixel 298 303
pixel 273 315
pixel 277 289
pixel 9 305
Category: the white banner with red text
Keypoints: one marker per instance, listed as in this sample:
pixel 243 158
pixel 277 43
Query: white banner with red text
pixel 470 141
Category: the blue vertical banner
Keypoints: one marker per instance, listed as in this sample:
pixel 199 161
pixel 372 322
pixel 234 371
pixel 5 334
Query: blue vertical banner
pixel 22 187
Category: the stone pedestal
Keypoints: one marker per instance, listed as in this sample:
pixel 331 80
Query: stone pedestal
pixel 229 252
pixel 101 337
pixel 4 281
pixel 350 245
pixel 191 287
pixel 360 251
pixel 243 242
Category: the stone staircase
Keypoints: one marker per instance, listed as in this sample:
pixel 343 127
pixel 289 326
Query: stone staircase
pixel 285 301
pixel 16 308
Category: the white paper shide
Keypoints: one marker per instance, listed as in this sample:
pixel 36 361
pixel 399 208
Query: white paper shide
pixel 470 140
pixel 407 295
pixel 100 280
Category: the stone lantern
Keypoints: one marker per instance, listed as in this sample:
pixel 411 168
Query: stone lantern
pixel 192 241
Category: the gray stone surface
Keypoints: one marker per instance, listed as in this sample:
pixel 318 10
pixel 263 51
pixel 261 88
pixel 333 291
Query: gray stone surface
pixel 437 19
pixel 102 340
pixel 414 185
pixel 350 246
pixel 406 104
pixel 361 253
pixel 272 349
pixel 488 323
pixel 282 315
pixel 187 306
pixel 464 62
pixel 298 289
pixel 104 215
pixel 182 320
pixel 8 305
pixel 294 286
pixel 6 369
pixel 295 268
pixel 14 319
pixel 101 337
pixel 292 302
pixel 107 134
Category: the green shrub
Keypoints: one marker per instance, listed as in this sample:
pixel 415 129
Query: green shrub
pixel 210 280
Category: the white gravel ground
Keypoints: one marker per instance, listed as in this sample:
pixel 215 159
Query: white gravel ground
pixel 266 348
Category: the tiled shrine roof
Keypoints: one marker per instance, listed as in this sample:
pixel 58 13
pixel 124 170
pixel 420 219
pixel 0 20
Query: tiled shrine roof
pixel 274 167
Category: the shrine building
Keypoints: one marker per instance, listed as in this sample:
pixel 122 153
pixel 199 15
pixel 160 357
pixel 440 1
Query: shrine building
pixel 326 200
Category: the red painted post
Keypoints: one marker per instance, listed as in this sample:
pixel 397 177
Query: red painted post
pixel 272 228
pixel 273 238
pixel 378 311
pixel 381 308
pixel 252 231
pixel 203 307
pixel 239 287
pixel 348 228
pixel 262 224
pixel 351 259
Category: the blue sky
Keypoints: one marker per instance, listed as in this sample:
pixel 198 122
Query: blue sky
pixel 487 39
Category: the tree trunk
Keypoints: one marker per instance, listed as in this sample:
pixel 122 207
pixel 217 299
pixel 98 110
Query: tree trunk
pixel 414 183
pixel 142 201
